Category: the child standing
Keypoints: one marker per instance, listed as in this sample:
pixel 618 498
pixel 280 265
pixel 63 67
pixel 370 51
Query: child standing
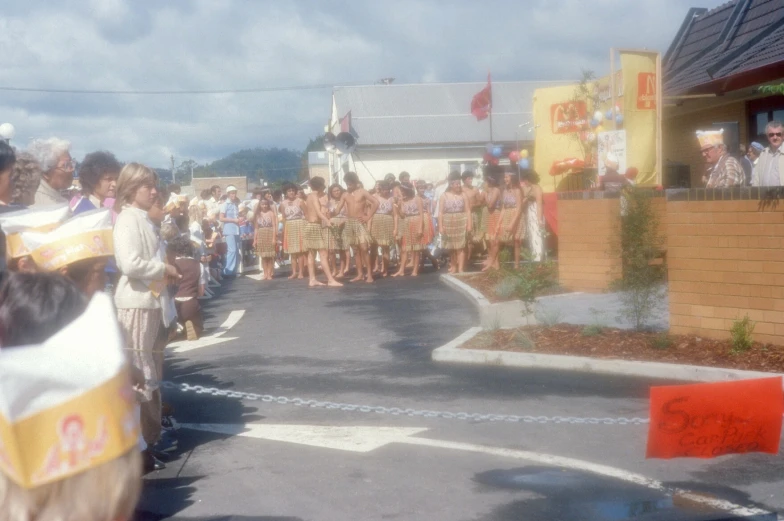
pixel 265 239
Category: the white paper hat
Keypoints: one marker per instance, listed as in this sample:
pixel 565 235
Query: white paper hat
pixel 41 219
pixel 66 405
pixel 87 235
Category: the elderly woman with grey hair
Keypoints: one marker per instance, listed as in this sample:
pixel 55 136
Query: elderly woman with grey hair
pixel 54 156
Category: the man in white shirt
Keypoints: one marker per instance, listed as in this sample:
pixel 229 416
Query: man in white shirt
pixel 769 170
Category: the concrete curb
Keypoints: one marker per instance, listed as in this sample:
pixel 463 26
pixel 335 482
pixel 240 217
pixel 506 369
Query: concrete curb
pixel 492 315
pixel 451 352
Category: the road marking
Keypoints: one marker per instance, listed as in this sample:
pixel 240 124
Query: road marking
pixel 257 276
pixel 366 439
pixel 353 439
pixel 183 346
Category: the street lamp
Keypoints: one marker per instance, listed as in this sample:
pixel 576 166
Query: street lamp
pixel 7 132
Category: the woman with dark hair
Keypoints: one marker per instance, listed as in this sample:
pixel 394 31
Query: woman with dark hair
pixel 383 227
pixel 454 222
pixel 429 233
pixel 532 193
pixel 337 241
pixel 410 229
pixel 266 220
pixel 292 213
pixel 493 205
pixel 511 225
pixel 98 177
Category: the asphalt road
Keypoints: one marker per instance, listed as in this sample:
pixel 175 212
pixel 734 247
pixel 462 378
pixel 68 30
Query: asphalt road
pixel 370 345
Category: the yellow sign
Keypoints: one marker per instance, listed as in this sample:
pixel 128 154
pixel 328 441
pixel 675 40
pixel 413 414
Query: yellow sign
pixel 639 114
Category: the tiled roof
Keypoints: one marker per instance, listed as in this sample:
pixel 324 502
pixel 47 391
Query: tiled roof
pixel 436 113
pixel 736 37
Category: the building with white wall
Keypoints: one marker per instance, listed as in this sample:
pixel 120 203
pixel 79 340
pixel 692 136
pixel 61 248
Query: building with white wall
pixel 427 129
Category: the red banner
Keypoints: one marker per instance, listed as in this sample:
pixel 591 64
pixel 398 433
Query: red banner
pixel 646 91
pixel 714 419
pixel 482 102
pixel 567 117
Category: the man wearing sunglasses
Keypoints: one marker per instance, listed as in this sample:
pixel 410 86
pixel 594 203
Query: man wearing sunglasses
pixel 769 170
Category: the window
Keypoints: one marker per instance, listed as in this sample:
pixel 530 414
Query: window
pixel 465 166
pixel 761 111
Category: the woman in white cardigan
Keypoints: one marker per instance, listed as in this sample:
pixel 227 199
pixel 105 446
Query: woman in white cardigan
pixel 143 277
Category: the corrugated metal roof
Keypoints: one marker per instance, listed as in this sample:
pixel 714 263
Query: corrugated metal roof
pixel 435 113
pixel 703 48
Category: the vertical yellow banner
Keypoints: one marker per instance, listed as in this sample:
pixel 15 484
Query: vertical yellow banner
pixel 641 92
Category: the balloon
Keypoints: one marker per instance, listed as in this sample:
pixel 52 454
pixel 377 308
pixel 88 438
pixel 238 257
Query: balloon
pixel 489 148
pixel 594 123
pixel 524 153
pixel 608 114
pixel 494 161
pixel 488 157
pixel 598 129
pixel 619 119
pixel 590 137
pixel 497 151
pixel 524 163
pixel 514 156
pixel 598 116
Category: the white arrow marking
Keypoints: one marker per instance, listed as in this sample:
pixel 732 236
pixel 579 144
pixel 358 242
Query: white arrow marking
pixel 366 439
pixel 182 346
pixel 354 439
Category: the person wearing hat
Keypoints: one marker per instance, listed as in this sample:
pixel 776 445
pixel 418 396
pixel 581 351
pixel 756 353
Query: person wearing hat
pixel 749 161
pixel 724 171
pixel 40 219
pixel 230 217
pixel 612 180
pixel 69 447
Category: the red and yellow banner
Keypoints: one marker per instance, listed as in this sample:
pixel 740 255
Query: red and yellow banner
pixel 640 113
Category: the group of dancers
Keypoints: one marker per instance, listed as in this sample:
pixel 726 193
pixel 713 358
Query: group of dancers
pixel 398 215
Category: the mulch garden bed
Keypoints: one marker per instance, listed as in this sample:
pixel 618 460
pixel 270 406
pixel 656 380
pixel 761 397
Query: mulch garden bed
pixel 487 283
pixel 618 344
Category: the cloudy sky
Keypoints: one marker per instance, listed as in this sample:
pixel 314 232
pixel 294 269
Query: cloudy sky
pixel 169 45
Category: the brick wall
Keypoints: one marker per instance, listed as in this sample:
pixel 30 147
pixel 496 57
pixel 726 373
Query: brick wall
pixel 679 141
pixel 725 260
pixel 206 183
pixel 587 231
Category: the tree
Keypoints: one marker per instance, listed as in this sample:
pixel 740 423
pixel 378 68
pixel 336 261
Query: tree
pixel 184 173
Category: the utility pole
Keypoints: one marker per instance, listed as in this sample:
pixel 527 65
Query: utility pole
pixel 174 176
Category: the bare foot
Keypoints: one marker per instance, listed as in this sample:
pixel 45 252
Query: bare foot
pixel 334 284
pixel 384 274
pixel 451 270
pixel 414 273
pixel 314 283
pixel 301 276
pixel 293 276
pixel 398 274
pixel 486 268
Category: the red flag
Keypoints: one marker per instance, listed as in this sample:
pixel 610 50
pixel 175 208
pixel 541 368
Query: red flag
pixel 482 102
pixel 345 122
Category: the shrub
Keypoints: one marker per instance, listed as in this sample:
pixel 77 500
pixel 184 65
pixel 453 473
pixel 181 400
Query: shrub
pixel 506 287
pixel 662 341
pixel 741 331
pixel 640 285
pixel 549 316
pixel 592 330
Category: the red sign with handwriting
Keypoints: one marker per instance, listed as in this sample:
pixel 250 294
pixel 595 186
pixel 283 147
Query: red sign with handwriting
pixel 713 419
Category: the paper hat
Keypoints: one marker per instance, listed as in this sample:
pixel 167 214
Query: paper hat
pixel 710 138
pixel 231 188
pixel 40 219
pixel 87 235
pixel 66 405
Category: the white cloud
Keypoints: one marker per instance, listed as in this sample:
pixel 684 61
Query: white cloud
pixel 203 44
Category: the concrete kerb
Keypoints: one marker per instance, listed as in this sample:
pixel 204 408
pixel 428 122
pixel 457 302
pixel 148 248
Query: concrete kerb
pixel 493 315
pixel 452 352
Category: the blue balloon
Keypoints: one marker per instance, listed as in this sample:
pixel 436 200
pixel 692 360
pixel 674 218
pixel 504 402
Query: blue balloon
pixel 608 114
pixel 524 163
pixel 489 148
pixel 619 119
pixel 594 123
pixel 497 151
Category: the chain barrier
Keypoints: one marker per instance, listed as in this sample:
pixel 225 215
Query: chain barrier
pixel 398 411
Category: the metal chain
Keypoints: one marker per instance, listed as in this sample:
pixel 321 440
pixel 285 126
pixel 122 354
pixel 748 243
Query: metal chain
pixel 397 411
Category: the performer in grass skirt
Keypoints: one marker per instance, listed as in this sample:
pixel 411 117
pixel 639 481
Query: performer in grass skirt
pixel 410 229
pixel 337 241
pixel 429 232
pixel 383 227
pixel 512 218
pixel 265 239
pixel 293 215
pixel 477 237
pixel 493 203
pixel 454 223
